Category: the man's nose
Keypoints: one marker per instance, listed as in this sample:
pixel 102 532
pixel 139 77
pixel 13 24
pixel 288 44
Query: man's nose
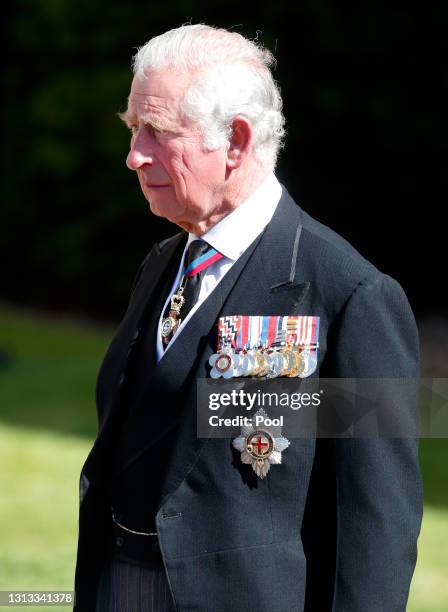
pixel 140 152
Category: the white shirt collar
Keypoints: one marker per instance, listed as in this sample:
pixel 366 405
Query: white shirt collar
pixel 235 232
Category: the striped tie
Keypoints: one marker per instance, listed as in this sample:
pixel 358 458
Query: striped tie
pixel 199 256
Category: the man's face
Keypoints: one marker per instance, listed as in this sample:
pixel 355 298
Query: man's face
pixel 180 180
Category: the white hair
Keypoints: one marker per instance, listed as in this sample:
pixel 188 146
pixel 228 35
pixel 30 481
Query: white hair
pixel 230 76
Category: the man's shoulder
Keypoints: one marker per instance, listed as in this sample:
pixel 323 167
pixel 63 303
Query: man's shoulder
pixel 333 266
pixel 336 254
pixel 326 253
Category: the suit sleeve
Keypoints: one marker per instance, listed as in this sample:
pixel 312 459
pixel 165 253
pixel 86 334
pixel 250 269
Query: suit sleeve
pixel 378 483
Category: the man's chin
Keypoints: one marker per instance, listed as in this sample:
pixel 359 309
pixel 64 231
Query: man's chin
pixel 166 212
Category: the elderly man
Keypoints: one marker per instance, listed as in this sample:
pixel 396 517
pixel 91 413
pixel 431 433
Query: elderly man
pixel 171 521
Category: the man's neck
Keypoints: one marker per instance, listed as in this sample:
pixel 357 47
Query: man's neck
pixel 235 195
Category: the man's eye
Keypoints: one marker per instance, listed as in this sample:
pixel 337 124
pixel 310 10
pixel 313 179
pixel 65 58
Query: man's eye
pixel 155 130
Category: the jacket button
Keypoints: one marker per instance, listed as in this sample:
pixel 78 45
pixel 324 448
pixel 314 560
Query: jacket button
pixel 119 541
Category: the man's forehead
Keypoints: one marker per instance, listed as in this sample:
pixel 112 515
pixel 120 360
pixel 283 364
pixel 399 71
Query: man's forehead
pixel 153 96
pixel 158 87
pixel 141 103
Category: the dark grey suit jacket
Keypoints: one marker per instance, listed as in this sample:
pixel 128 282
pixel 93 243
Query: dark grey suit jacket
pixel 334 527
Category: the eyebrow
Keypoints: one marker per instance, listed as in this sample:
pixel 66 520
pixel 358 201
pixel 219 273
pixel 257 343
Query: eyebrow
pixel 129 118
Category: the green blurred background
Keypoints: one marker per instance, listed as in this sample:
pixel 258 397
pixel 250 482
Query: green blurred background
pixel 365 92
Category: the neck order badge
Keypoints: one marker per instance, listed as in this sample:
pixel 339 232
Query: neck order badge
pixel 200 255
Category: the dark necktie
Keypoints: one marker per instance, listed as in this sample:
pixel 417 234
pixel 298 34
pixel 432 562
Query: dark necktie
pixel 199 256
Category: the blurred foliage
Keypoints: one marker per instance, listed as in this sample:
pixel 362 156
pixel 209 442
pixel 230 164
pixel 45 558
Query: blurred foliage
pixel 365 96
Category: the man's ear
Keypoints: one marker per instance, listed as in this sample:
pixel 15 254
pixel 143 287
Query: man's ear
pixel 240 143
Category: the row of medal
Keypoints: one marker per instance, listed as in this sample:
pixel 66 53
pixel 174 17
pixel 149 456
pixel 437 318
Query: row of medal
pixel 266 347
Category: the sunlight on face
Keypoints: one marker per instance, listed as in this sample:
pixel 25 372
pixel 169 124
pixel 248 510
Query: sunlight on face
pixel 181 181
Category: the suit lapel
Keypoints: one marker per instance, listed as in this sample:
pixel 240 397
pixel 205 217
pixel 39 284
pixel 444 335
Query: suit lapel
pixel 262 281
pixel 177 367
pixel 177 363
pixel 115 366
pixel 114 369
pixel 160 260
pixel 263 278
pixel 267 285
